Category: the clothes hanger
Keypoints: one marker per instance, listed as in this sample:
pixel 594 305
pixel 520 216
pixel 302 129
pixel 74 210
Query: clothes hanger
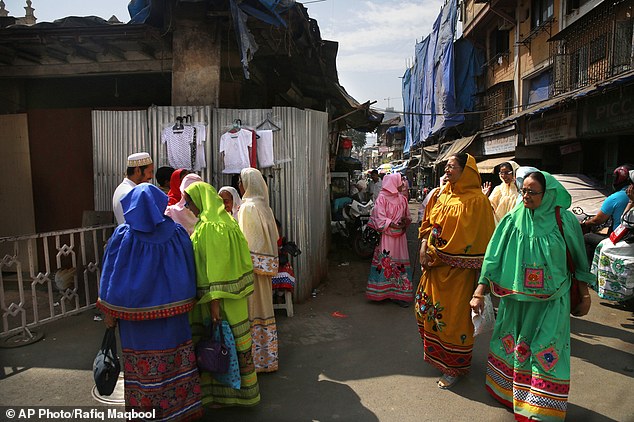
pixel 178 127
pixel 270 125
pixel 237 125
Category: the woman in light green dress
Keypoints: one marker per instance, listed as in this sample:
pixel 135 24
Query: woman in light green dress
pixel 528 366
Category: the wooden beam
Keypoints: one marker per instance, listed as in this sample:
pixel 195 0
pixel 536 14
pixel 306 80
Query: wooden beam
pixel 147 50
pixel 82 69
pixel 84 52
pixel 62 56
pixel 29 56
pixel 110 49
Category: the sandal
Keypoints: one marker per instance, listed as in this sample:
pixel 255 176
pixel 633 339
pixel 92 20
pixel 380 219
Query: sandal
pixel 447 381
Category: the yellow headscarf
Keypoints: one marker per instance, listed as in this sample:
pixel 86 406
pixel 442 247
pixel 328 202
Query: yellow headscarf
pixel 460 224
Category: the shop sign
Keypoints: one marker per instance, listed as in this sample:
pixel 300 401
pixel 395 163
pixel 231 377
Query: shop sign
pixel 570 148
pixel 497 142
pixel 554 128
pixel 383 150
pixel 609 113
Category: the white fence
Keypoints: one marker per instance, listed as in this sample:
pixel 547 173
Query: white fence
pixel 47 276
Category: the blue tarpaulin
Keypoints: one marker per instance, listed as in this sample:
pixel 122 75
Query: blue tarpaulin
pixel 435 94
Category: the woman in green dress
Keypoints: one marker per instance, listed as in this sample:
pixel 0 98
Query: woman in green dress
pixel 528 365
pixel 224 277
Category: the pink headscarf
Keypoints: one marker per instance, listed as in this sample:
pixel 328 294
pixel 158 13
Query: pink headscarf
pixel 178 212
pixel 390 206
pixel 391 183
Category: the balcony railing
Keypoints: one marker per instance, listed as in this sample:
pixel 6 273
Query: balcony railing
pixel 596 47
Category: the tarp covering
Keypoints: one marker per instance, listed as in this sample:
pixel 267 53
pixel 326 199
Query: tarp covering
pixel 455 147
pixel 430 85
pixel 487 166
pixel 586 193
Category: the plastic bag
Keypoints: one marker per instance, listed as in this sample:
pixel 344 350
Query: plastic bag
pixel 485 321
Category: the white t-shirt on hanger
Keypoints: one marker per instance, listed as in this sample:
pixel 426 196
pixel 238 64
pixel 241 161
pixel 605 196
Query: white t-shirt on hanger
pixel 179 147
pixel 236 146
pixel 265 148
pixel 201 136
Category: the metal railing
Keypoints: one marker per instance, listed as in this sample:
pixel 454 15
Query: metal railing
pixel 596 47
pixel 47 276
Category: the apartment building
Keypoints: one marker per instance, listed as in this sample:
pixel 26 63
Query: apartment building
pixel 558 87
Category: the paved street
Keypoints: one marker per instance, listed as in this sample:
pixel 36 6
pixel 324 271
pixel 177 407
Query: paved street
pixel 344 359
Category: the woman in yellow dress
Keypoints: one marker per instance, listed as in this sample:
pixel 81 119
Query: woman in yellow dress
pixel 455 232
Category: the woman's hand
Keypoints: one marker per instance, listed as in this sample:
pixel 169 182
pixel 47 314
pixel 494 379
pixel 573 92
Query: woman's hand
pixel 110 321
pixel 486 188
pixel 425 258
pixel 215 310
pixel 477 300
pixel 398 225
pixel 477 304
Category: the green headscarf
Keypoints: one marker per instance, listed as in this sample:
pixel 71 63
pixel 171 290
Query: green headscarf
pixel 223 262
pixel 526 256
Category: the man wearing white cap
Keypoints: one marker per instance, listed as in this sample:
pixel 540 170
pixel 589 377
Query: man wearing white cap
pixel 140 170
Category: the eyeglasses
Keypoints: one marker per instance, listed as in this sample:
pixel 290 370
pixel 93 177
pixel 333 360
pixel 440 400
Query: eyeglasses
pixel 530 192
pixel 451 167
pixel 505 173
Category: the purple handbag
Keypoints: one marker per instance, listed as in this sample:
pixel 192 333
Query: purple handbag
pixel 213 355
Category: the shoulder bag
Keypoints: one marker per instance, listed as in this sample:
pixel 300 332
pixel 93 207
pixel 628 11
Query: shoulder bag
pixel 575 296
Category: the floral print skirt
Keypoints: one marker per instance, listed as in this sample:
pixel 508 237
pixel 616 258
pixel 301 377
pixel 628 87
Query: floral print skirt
pixel 390 273
pixel 159 367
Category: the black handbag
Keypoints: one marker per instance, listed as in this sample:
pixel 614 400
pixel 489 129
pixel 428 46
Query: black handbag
pixel 213 355
pixel 106 366
pixel 371 236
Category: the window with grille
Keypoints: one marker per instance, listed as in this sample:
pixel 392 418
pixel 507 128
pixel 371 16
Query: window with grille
pixel 498 43
pixel 498 103
pixel 541 11
pixel 594 48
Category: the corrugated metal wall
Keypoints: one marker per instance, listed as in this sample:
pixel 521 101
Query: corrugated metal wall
pixel 298 183
pixel 115 135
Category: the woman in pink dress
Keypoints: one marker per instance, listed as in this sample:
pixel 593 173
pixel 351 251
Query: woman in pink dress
pixel 390 274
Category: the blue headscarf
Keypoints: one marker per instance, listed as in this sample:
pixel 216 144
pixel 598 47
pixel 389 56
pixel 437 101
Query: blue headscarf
pixel 148 268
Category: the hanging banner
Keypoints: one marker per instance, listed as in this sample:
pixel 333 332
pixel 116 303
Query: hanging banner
pixel 552 128
pixel 499 141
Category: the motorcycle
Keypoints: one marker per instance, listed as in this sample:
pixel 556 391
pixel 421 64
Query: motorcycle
pixel 354 227
pixel 591 236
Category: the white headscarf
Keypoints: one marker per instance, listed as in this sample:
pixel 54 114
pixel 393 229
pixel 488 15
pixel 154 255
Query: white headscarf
pixel 178 212
pixel 257 222
pixel 236 199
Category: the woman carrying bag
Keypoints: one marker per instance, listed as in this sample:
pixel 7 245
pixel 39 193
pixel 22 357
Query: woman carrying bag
pixel 147 285
pixel 528 367
pixel 224 277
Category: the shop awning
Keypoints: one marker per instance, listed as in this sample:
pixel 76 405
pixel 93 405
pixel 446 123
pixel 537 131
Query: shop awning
pixel 455 147
pixel 487 166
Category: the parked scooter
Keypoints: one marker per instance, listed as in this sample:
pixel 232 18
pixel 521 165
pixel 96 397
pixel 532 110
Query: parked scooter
pixel 356 216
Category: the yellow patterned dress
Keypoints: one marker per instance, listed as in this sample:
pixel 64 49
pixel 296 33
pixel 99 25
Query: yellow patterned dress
pixel 258 225
pixel 457 225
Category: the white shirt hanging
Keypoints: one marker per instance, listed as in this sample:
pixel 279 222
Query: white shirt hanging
pixel 235 147
pixel 179 146
pixel 201 136
pixel 265 149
